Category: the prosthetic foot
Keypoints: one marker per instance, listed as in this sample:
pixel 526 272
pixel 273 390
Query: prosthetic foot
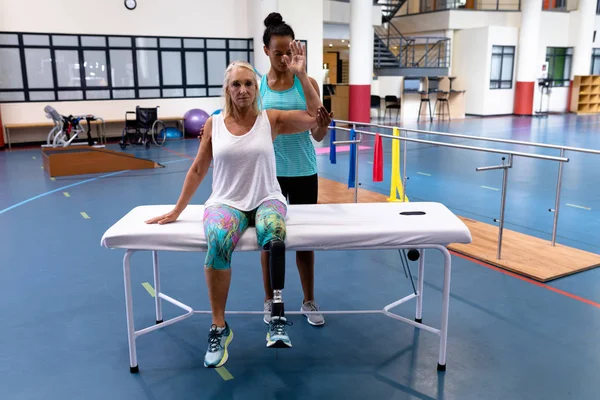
pixel 277 336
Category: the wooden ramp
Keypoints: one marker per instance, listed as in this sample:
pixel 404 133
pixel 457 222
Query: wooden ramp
pixel 521 254
pixel 67 161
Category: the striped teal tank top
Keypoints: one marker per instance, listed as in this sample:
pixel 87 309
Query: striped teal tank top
pixel 294 154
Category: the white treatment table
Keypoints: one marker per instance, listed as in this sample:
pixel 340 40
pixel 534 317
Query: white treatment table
pixel 320 227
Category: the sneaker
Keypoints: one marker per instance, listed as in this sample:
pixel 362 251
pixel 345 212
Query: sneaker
pixel 218 340
pixel 276 335
pixel 313 319
pixel 267 308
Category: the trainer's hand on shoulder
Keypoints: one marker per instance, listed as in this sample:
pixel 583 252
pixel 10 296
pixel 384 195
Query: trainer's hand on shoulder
pixel 201 132
pixel 165 218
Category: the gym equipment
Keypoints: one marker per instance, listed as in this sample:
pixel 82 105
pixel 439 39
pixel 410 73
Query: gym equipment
pixel 193 121
pixel 378 159
pixel 146 123
pixel 67 128
pixel 68 161
pixel 171 133
pixel 352 158
pixel 332 154
pixel 396 186
pixel 544 85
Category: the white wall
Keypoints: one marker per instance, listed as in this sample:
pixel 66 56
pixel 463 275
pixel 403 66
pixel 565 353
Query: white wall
pixel 306 18
pixel 455 20
pixel 336 31
pixel 338 12
pixel 596 42
pixel 499 101
pixel 151 17
pixel 472 62
pixel 470 67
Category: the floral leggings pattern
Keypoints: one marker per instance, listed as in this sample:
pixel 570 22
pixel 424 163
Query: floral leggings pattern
pixel 224 225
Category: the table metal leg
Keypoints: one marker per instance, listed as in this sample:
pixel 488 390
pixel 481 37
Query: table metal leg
pixel 421 278
pixel 157 300
pixel 133 365
pixel 445 309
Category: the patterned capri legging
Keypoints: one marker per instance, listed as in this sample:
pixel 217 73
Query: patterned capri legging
pixel 224 225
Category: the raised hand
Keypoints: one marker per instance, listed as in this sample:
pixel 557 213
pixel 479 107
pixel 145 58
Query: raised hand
pixel 297 63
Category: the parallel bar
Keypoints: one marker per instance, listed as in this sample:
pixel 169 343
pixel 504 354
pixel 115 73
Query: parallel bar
pixel 508 141
pixel 509 152
pixel 503 204
pixel 557 201
pixel 486 139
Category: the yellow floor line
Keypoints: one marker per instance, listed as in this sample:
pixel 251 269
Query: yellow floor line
pixel 84 215
pixel 224 373
pixel 149 288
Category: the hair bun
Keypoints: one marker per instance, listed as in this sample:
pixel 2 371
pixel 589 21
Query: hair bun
pixel 273 19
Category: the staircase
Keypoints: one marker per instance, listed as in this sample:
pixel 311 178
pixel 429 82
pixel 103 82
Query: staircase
pixel 389 8
pixel 397 55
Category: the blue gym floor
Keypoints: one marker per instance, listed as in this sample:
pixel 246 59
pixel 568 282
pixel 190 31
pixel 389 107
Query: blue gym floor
pixel 64 335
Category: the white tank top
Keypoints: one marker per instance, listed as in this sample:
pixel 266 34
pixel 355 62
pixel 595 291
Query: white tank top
pixel 244 173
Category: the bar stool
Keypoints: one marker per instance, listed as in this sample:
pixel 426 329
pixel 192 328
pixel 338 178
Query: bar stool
pixel 425 99
pixel 444 106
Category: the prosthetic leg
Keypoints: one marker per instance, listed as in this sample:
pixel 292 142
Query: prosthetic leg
pixel 277 336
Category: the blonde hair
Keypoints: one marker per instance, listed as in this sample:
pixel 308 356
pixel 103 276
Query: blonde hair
pixel 228 108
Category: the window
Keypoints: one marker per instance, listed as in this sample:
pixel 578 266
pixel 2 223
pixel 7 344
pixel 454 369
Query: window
pixel 57 67
pixel 503 61
pixel 559 65
pixel 595 70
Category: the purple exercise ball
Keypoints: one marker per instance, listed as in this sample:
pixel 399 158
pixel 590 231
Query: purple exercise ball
pixel 194 120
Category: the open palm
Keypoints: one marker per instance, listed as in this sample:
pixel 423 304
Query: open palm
pixel 297 62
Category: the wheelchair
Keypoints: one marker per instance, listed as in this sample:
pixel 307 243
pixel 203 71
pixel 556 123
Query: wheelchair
pixel 146 127
pixel 67 128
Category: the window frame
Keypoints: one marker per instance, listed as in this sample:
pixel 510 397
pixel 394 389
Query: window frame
pixel 134 48
pixel 565 82
pixel 496 84
pixel 595 58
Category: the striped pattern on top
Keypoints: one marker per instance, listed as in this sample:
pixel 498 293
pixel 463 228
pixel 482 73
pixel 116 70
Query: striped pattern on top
pixel 294 154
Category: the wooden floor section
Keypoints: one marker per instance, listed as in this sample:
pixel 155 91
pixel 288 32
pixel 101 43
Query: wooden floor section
pixel 522 254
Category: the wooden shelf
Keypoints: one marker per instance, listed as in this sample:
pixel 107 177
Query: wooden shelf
pixel 585 95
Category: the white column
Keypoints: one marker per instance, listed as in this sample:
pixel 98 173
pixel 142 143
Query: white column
pixel 361 42
pixel 257 12
pixel 528 61
pixel 584 38
pixel 361 59
pixel 529 33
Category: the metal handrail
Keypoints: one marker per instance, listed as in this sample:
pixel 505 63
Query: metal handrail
pixel 486 139
pixel 459 146
pixel 561 159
